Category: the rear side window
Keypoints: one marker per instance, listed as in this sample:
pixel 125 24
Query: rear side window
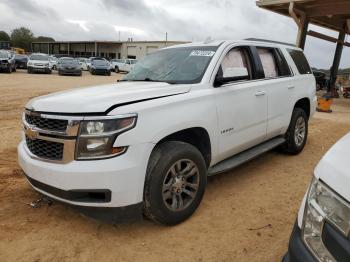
pixel 268 62
pixel 300 61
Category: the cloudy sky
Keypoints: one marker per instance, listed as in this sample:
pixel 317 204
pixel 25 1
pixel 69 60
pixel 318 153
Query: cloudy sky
pixel 188 20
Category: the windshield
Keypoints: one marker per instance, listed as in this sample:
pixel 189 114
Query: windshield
pixel 4 55
pixel 184 65
pixel 69 61
pixel 39 57
pixel 100 62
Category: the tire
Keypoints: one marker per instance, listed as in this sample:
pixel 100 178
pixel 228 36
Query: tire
pixel 116 69
pixel 161 207
pixel 9 70
pixel 29 71
pixel 49 72
pixel 14 69
pixel 297 133
pixel 109 73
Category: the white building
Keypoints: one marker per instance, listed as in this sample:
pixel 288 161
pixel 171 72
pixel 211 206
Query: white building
pixel 108 49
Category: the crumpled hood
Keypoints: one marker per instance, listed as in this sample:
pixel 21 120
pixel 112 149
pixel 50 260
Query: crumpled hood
pixel 99 99
pixel 334 167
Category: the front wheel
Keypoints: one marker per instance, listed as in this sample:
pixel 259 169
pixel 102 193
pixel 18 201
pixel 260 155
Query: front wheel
pixel 297 132
pixel 175 182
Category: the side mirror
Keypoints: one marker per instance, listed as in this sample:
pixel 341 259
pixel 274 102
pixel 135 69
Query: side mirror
pixel 232 74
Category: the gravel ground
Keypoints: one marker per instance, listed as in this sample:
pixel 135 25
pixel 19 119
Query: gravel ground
pixel 265 191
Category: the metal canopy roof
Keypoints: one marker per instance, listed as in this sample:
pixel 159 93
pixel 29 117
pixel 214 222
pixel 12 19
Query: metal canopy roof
pixel 331 14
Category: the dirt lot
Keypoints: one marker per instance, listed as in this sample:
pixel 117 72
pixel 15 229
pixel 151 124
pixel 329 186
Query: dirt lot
pixel 265 191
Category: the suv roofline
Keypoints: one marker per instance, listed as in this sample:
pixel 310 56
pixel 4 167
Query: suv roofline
pixel 252 41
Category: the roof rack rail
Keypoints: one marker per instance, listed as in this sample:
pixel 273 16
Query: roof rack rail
pixel 269 41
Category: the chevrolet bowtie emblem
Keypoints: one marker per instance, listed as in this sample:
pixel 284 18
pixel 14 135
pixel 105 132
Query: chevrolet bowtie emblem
pixel 31 133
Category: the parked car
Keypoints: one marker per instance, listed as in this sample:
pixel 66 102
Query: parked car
pixel 146 145
pixel 39 62
pixel 53 62
pixel 21 61
pixel 100 67
pixel 88 64
pixel 321 232
pixel 7 62
pixel 83 63
pixel 124 65
pixel 69 66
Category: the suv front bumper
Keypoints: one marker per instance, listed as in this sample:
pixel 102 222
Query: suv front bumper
pixel 95 185
pixel 297 250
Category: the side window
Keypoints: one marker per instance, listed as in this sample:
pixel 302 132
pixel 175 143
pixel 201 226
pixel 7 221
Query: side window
pixel 283 67
pixel 300 61
pixel 237 59
pixel 268 62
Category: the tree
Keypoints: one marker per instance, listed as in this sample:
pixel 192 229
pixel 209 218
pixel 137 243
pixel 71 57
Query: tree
pixel 4 36
pixel 45 39
pixel 22 37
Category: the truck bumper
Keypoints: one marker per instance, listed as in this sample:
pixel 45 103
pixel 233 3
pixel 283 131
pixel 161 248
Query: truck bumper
pixel 93 187
pixel 297 250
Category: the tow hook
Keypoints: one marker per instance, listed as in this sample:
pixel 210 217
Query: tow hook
pixel 41 202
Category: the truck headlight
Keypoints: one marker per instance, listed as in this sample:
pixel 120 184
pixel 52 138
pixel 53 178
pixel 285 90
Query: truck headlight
pixel 96 137
pixel 323 205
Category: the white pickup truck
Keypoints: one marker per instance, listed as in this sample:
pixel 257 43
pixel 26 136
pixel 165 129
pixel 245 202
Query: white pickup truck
pixel 146 145
pixel 321 232
pixel 123 65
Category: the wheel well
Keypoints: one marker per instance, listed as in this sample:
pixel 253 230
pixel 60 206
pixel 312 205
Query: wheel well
pixel 197 136
pixel 304 104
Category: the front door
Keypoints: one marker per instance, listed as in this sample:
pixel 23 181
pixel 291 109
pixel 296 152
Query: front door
pixel 241 107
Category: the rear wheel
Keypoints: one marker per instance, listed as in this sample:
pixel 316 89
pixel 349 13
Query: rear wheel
pixel 297 133
pixel 175 182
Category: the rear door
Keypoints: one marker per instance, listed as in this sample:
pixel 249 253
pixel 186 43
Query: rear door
pixel 280 89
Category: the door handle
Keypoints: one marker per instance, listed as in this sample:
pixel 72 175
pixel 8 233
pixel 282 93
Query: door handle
pixel 291 87
pixel 260 93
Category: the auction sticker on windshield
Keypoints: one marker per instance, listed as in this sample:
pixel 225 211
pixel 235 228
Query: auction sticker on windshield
pixel 202 53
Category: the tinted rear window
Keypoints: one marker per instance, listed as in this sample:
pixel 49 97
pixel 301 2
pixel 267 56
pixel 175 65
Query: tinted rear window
pixel 300 61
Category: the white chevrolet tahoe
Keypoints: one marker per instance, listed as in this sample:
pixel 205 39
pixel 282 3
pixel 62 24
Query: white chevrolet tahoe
pixel 146 145
pixel 321 232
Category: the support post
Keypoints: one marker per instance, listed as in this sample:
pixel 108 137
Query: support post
pixel 335 67
pixel 95 48
pixel 302 22
pixel 302 32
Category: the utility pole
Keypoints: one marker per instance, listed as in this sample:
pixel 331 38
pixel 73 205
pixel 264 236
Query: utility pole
pixel 166 38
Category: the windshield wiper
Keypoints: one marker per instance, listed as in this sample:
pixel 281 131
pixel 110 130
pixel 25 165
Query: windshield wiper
pixel 147 79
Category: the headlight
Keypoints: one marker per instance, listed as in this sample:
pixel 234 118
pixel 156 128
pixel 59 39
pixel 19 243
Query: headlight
pixel 323 205
pixel 30 63
pixel 96 137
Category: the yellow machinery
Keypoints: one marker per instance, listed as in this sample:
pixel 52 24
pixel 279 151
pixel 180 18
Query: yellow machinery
pixel 324 104
pixel 18 50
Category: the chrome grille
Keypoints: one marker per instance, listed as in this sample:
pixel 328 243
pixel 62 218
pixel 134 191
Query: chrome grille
pixel 47 123
pixel 45 149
